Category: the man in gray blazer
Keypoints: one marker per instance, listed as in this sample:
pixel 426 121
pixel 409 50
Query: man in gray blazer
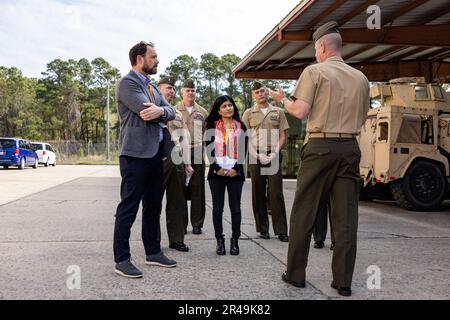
pixel 143 113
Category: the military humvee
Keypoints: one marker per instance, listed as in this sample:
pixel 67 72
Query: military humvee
pixel 405 145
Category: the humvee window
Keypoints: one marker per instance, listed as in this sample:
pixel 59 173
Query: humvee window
pixel 375 103
pixel 421 93
pixel 416 129
pixel 384 132
pixel 411 129
pixel 437 92
pixel 427 130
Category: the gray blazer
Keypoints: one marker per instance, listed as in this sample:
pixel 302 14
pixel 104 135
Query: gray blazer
pixel 138 138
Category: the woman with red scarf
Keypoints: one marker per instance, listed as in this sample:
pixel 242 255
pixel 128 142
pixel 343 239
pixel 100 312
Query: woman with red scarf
pixel 226 150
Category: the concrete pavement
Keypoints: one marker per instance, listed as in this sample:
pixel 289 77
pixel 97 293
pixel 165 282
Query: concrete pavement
pixel 56 218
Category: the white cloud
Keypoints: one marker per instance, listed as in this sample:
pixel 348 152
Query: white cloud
pixel 35 32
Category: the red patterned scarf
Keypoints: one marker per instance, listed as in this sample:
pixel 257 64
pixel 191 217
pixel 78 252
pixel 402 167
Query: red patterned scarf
pixel 226 141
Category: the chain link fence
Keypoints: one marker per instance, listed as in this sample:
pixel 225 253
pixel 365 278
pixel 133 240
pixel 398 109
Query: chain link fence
pixel 85 152
pixel 80 152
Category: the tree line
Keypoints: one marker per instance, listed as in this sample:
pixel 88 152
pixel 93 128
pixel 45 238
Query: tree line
pixel 69 101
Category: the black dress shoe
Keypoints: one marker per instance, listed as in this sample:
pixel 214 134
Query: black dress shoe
pixel 180 246
pixel 265 235
pixel 319 244
pixel 343 291
pixel 283 238
pixel 197 230
pixel 332 246
pixel 295 284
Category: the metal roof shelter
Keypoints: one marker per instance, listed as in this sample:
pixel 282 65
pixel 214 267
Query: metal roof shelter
pixel 414 40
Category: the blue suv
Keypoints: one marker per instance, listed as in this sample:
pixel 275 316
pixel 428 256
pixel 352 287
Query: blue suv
pixel 17 152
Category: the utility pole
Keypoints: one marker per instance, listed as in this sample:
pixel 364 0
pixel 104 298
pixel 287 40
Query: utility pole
pixel 108 157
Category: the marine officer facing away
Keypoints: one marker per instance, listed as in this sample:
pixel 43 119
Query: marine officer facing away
pixel 335 98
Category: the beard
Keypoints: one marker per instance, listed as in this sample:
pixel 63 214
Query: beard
pixel 150 70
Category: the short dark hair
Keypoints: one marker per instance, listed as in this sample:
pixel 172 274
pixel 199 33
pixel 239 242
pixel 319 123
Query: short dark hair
pixel 139 49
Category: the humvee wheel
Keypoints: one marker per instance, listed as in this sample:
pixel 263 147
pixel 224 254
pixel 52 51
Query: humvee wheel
pixel 422 188
pixel 364 195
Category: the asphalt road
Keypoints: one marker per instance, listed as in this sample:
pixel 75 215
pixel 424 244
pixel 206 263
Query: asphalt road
pixel 57 223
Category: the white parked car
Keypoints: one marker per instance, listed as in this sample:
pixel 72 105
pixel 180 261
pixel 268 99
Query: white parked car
pixel 45 152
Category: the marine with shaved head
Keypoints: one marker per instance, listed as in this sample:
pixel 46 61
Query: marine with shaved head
pixel 335 99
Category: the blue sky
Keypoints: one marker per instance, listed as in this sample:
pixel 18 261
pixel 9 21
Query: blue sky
pixel 35 32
